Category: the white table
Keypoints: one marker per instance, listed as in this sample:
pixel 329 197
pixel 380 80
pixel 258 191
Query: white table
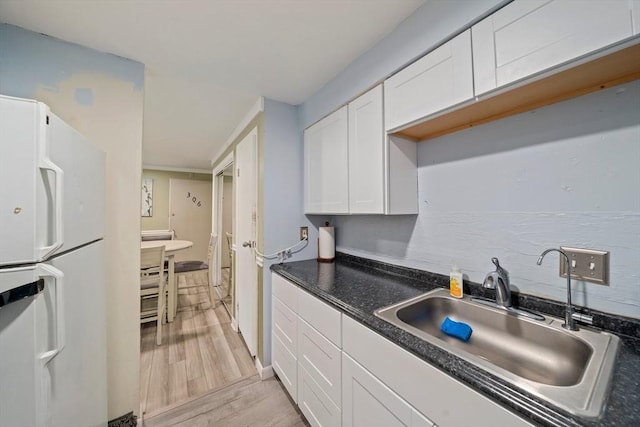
pixel 170 249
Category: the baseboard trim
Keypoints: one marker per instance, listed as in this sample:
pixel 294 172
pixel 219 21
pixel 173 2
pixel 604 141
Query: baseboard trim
pixel 234 324
pixel 264 372
pixel 126 420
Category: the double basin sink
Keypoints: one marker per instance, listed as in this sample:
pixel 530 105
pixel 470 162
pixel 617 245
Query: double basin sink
pixel 570 369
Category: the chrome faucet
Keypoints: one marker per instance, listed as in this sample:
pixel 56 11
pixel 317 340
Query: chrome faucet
pixel 569 323
pixel 499 280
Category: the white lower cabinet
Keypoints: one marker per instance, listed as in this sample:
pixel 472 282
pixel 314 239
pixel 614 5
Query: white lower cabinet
pixel 367 402
pixel 339 372
pixel 314 403
pixel 444 400
pixel 306 353
pixel 321 359
pixel 284 345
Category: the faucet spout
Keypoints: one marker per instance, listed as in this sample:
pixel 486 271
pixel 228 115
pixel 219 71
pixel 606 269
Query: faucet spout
pixel 569 323
pixel 499 280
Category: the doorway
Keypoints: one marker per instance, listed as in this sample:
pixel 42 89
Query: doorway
pixel 190 215
pixel 223 226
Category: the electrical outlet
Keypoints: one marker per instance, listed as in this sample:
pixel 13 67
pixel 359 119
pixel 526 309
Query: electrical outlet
pixel 304 233
pixel 586 264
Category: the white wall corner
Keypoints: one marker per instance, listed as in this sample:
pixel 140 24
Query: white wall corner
pixel 264 372
pixel 257 108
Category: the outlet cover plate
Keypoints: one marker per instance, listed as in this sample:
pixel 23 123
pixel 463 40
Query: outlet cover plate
pixel 586 264
pixel 304 233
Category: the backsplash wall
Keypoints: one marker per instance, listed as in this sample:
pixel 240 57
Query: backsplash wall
pixel 567 174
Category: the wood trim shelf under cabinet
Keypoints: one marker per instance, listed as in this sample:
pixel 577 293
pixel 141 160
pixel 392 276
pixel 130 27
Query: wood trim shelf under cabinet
pixel 604 69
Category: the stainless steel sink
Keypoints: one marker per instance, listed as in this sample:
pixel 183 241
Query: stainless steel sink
pixel 570 369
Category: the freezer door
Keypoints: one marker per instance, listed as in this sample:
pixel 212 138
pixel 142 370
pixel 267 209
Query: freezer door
pixel 23 227
pixel 52 184
pixel 84 190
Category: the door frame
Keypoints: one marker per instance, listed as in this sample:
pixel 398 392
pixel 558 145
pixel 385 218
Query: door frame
pixel 216 222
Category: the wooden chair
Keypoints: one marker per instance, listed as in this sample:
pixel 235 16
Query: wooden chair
pixel 184 267
pixel 153 288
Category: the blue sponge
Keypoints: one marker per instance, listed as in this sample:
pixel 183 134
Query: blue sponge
pixel 456 329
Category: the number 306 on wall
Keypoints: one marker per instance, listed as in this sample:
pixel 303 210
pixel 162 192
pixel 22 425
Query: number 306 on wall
pixel 194 199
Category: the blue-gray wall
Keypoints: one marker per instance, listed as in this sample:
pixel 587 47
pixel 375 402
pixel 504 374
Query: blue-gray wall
pixel 283 204
pixel 566 174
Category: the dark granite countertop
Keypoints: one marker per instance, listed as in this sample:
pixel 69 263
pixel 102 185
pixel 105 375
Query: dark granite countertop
pixel 359 286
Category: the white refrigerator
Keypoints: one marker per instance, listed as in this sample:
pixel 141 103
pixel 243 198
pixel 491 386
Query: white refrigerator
pixel 53 364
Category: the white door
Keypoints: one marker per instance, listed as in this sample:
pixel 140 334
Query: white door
pixel 246 272
pixel 190 215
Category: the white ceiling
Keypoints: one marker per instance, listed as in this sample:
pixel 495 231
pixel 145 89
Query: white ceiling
pixel 208 61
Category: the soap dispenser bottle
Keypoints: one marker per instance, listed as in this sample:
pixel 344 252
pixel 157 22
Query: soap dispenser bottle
pixel 455 282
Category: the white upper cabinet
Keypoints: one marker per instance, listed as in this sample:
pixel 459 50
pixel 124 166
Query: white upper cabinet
pixel 326 163
pixel 351 167
pixel 526 37
pixel 441 79
pixel 366 154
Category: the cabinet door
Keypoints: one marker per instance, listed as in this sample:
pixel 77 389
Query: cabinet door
pixel 425 387
pixel 526 37
pixel 440 80
pixel 326 181
pixel 314 403
pixel 367 402
pixel 366 149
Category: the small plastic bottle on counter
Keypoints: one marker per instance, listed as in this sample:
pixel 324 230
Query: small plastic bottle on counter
pixel 455 282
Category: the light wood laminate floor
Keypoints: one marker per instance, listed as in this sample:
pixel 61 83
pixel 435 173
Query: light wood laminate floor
pixel 200 351
pixel 249 402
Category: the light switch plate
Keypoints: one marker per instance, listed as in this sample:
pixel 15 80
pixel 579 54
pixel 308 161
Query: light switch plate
pixel 586 264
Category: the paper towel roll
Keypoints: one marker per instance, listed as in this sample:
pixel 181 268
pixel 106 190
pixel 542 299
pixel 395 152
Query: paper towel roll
pixel 326 244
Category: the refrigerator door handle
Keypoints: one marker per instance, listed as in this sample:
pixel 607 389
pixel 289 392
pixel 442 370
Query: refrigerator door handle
pixel 58 235
pixel 45 270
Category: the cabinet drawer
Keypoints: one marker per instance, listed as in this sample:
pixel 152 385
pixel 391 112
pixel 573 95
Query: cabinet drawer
pixel 285 365
pixel 285 324
pixel 321 359
pixel 286 291
pixel 325 319
pixel 422 385
pixel 314 403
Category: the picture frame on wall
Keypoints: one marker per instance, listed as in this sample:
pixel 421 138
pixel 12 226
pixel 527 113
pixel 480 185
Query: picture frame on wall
pixel 147 197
